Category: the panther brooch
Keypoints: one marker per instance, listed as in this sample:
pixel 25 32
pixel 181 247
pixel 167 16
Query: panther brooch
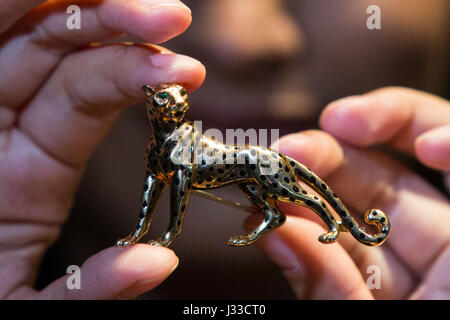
pixel 180 156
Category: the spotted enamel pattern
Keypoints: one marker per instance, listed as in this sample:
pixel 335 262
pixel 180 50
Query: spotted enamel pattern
pixel 180 156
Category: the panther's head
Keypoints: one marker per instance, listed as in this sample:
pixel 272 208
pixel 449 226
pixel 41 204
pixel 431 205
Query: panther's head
pixel 167 102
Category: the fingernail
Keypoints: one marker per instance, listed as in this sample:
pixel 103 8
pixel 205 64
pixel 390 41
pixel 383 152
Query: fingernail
pixel 436 136
pixel 342 118
pixel 171 61
pixel 164 4
pixel 433 148
pixel 348 102
pixel 290 143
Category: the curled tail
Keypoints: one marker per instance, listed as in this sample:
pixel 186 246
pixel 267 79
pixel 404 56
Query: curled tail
pixel 348 223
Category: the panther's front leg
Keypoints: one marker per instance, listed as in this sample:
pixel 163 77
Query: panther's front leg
pixel 153 188
pixel 179 196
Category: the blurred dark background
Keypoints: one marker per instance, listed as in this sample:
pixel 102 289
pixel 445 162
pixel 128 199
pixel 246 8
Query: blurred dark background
pixel 270 64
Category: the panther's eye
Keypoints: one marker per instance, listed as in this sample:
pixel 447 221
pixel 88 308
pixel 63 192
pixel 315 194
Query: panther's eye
pixel 183 92
pixel 162 95
pixel 160 98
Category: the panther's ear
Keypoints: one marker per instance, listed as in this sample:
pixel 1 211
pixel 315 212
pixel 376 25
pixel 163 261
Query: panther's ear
pixel 148 90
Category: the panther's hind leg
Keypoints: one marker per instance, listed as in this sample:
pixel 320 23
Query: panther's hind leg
pixel 303 198
pixel 273 217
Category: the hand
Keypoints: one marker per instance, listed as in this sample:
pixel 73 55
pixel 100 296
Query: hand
pixel 415 259
pixel 59 96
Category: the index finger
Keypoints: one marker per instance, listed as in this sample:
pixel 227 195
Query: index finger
pixel 395 116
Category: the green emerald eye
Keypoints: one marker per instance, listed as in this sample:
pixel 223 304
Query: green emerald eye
pixel 162 95
pixel 183 92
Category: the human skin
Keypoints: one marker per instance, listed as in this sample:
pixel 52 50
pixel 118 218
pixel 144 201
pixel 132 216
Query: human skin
pixel 59 96
pixel 51 123
pixel 415 260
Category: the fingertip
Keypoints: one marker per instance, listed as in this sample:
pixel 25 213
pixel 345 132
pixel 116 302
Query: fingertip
pixel 196 75
pixel 433 148
pixel 367 119
pixel 142 261
pixel 177 68
pixel 117 273
pixel 172 21
pixel 314 148
pixel 144 269
pixel 152 21
pixel 348 120
pixel 131 271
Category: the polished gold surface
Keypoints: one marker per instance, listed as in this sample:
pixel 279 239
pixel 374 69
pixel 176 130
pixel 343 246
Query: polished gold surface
pixel 180 156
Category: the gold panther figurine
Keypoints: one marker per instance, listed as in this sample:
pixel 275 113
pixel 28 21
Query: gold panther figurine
pixel 179 155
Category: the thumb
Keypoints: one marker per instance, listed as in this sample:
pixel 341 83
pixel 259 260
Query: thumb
pixel 314 270
pixel 117 273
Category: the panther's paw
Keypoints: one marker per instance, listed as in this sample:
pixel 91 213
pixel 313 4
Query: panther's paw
pixel 239 241
pixel 129 240
pixel 155 243
pixel 329 237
